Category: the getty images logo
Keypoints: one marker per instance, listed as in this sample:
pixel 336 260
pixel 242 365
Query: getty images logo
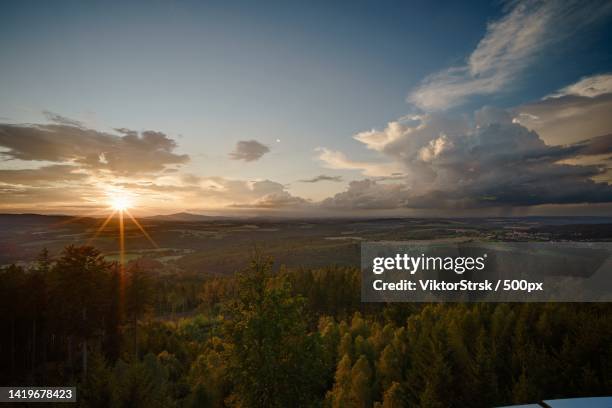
pixel 413 264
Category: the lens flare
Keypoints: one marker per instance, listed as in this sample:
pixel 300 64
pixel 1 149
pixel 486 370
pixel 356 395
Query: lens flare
pixel 120 203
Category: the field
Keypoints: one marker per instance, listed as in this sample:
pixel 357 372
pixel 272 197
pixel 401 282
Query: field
pixel 222 246
pixel 216 311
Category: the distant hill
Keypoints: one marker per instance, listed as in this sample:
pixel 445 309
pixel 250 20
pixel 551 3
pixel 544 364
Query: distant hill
pixel 183 217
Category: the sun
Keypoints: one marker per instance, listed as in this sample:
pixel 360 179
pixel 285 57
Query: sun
pixel 120 203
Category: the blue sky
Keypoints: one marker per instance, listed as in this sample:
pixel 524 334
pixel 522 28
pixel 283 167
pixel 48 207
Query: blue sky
pixel 293 76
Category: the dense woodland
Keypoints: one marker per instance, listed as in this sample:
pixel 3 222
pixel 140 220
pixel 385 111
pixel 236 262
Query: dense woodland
pixel 272 337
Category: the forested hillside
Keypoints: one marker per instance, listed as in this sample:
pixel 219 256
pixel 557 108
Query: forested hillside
pixel 299 337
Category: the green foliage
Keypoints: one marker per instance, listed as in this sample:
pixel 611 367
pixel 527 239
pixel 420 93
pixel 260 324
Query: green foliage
pixel 273 360
pixel 97 389
pixel 141 384
pixel 77 279
pixel 138 293
pixel 128 384
pixel 208 376
pixel 291 338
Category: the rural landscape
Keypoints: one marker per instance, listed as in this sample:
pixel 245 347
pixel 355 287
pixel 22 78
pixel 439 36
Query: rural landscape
pixel 267 312
pixel 194 196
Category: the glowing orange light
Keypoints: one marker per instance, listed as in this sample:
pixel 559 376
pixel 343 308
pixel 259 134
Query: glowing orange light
pixel 120 203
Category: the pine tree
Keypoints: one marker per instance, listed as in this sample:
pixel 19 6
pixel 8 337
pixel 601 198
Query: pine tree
pixel 361 384
pixel 393 397
pixel 346 345
pixel 340 394
pixel 388 369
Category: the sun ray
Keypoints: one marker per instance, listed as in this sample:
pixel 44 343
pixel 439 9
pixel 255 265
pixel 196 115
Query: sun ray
pixel 79 217
pixel 144 232
pixel 101 228
pixel 119 205
pixel 121 242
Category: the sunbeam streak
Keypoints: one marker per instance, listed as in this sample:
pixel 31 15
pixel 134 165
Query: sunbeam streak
pixel 141 228
pixel 119 205
pixel 121 242
pixel 101 228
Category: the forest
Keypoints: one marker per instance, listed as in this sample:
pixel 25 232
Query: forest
pixel 271 336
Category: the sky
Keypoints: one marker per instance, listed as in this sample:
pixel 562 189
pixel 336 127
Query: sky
pixel 307 108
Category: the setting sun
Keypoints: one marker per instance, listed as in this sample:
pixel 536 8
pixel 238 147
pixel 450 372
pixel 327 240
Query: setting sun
pixel 120 203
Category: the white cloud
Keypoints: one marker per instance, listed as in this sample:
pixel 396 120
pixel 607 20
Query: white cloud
pixel 507 48
pixel 215 192
pixel 339 161
pixel 588 87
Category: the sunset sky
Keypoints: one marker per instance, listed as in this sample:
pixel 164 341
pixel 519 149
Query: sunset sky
pixel 307 108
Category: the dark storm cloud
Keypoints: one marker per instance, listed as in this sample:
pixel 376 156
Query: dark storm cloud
pixel 249 150
pixel 275 201
pixel 579 111
pixel 322 177
pixel 496 163
pixel 129 153
pixel 595 146
pixel 369 194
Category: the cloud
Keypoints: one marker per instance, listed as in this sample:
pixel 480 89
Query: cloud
pixel 339 161
pixel 65 166
pixel 369 195
pixel 74 167
pixel 588 87
pixel 257 194
pixel 507 48
pixel 131 153
pixel 275 201
pixel 217 192
pixel 575 112
pixel 493 163
pixel 62 120
pixel 47 198
pixel 322 177
pixel 249 150
pixel 42 176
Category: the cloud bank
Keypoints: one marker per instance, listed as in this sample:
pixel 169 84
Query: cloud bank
pixel 128 152
pixel 576 112
pixel 490 161
pixel 66 166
